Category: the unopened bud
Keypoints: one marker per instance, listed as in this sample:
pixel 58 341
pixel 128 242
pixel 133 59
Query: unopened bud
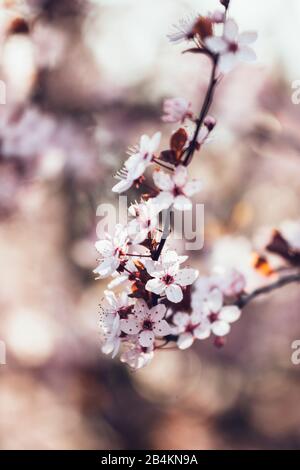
pixel 210 123
pixel 225 3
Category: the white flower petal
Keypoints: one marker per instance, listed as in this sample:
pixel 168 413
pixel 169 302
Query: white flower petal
pixel 185 341
pixel 158 312
pixel 215 44
pixel 202 332
pixel 186 277
pixel 156 286
pixel 122 186
pixel 247 54
pixel 231 30
pixel 104 247
pixel 192 187
pixel 130 326
pixel 182 203
pixel 164 200
pixel 247 37
pixel 141 308
pixel 220 328
pixel 162 328
pixel 154 142
pixel 163 180
pixel 230 314
pixel 227 62
pixel 181 319
pixel 174 293
pixel 180 176
pixel 146 338
pixel 215 300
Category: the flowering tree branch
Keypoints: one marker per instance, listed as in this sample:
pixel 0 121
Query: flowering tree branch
pixel 161 301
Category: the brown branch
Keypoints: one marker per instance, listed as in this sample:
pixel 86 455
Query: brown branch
pixel 283 281
pixel 203 113
pixel 193 145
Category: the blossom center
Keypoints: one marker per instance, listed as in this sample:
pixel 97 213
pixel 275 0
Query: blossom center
pixel 147 325
pixel 124 312
pixel 213 317
pixel 168 279
pixel 177 191
pixel 233 47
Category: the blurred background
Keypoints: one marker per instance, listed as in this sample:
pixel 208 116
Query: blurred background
pixel 84 79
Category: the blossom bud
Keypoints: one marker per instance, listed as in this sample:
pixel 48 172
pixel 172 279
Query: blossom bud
pixel 225 3
pixel 210 123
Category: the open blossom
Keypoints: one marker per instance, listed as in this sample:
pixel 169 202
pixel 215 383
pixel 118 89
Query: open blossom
pixel 137 356
pixel 169 279
pixel 175 189
pixel 232 46
pixel 231 283
pixel 190 327
pixel 113 309
pixel 211 305
pixel 146 323
pixel 176 110
pixel 112 250
pixel 144 222
pixel 139 161
pixel 183 31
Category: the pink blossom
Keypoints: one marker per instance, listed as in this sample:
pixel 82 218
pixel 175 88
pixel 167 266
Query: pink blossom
pixel 176 189
pixel 190 327
pixel 176 110
pixel 232 46
pixel 112 250
pixel 169 279
pixel 146 323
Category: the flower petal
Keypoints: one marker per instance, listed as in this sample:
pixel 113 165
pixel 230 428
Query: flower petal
pixel 180 175
pixel 230 314
pixel 181 319
pixel 220 328
pixel 247 54
pixel 104 247
pixel 192 187
pixel 215 300
pixel 162 328
pixel 146 338
pixel 247 37
pixel 130 326
pixel 202 332
pixel 231 30
pixel 227 62
pixel 185 341
pixel 122 186
pixel 164 200
pixel 216 45
pixel 163 180
pixel 158 312
pixel 155 285
pixel 186 277
pixel 141 308
pixel 174 293
pixel 154 142
pixel 182 203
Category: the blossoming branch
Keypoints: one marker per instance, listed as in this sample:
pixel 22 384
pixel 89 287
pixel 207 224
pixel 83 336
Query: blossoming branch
pixel 160 300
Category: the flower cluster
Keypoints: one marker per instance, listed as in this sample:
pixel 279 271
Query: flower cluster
pixel 162 300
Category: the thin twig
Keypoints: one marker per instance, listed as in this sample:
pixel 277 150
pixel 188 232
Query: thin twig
pixel 283 281
pixel 203 113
